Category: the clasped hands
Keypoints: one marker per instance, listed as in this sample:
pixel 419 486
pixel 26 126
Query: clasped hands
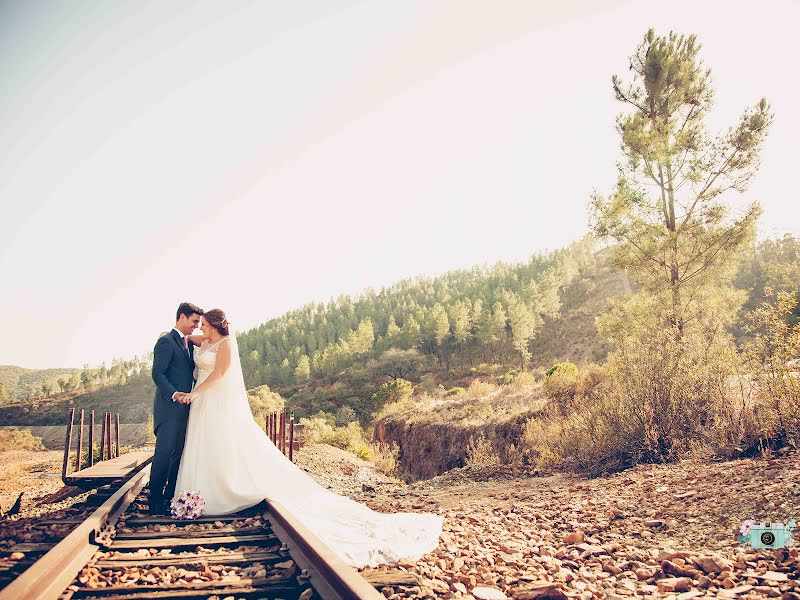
pixel 184 397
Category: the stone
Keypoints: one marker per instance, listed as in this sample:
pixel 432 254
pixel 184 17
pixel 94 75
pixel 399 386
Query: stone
pixel 713 564
pixel 575 537
pixel 488 593
pixel 676 584
pixel 773 576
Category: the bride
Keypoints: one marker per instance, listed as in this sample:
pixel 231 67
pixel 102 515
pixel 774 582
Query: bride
pixel 230 461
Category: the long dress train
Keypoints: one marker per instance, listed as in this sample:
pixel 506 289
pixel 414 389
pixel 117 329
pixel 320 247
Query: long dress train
pixel 231 462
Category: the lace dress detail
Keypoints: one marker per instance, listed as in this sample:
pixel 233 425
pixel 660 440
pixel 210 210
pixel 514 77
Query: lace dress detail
pixel 231 462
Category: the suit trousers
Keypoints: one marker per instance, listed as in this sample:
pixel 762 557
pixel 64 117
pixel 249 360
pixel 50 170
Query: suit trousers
pixel 170 438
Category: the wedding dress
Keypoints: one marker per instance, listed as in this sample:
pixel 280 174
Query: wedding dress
pixel 232 463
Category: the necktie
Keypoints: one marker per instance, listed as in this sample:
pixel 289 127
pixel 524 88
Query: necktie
pixel 186 343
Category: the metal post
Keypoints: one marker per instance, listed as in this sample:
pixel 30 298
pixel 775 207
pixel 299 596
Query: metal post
pixel 116 430
pixel 78 457
pixel 67 444
pixel 283 432
pixel 291 437
pixel 108 436
pixel 103 439
pixel 91 438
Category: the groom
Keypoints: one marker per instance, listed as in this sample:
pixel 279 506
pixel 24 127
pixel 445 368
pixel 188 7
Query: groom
pixel 173 372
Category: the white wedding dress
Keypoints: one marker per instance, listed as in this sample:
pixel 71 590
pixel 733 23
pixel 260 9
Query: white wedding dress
pixel 232 463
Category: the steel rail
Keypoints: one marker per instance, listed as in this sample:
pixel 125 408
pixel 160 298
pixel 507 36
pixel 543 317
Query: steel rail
pixel 330 576
pixel 49 576
pixel 320 567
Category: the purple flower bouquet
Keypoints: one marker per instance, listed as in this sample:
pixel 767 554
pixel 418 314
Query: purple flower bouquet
pixel 188 505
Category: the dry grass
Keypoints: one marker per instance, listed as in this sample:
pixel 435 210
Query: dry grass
pixel 480 404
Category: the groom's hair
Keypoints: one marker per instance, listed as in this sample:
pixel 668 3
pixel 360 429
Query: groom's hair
pixel 188 309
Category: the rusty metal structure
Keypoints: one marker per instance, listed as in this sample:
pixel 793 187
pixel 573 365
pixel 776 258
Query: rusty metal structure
pixel 284 432
pixel 111 465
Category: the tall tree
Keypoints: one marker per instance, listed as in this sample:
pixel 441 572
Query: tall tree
pixel 670 213
pixel 302 372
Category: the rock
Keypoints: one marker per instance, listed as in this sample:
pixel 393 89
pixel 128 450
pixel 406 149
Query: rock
pixel 643 574
pixel 675 568
pixel 683 495
pixel 544 590
pixel 678 584
pixel 732 592
pixel 773 576
pixel 460 587
pixel 487 593
pixel 668 554
pixel 17 555
pixel 655 523
pixel 713 564
pixel 575 537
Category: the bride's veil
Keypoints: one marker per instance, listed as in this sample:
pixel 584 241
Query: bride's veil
pixel 235 390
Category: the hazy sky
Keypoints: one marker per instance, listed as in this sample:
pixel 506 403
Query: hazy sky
pixel 256 156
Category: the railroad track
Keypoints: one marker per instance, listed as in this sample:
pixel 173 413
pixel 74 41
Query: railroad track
pixel 121 553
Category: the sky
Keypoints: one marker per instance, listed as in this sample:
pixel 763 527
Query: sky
pixel 257 156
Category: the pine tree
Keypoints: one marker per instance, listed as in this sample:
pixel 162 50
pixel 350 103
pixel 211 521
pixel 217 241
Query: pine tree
pixel 670 216
pixel 302 372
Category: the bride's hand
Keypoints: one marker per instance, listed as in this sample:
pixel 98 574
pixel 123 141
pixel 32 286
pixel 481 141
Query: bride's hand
pixel 193 396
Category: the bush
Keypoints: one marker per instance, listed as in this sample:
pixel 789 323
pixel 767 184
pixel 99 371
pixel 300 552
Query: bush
pixel 264 401
pixel 481 452
pixel 524 378
pixel 393 391
pixel 384 457
pixel 775 343
pixel 480 389
pixel 455 391
pixel 345 415
pixel 561 383
pixel 15 439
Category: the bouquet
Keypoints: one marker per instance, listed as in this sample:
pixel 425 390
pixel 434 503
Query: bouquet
pixel 188 505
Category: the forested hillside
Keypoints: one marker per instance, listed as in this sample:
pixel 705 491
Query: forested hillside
pixel 17 382
pixel 484 322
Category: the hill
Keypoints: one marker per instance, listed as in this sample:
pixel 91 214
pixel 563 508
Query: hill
pixel 133 401
pixel 485 322
pixel 18 381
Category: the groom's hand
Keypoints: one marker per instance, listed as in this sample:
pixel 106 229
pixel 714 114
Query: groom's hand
pixel 181 397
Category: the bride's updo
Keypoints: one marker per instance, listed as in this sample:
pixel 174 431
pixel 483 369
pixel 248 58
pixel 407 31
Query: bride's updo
pixel 217 319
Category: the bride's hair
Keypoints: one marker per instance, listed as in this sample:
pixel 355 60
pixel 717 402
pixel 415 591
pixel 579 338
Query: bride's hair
pixel 217 319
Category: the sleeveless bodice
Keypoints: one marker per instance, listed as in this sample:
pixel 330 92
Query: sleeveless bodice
pixel 205 359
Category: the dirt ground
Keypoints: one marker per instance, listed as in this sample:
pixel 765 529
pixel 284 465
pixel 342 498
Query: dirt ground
pixel 669 531
pixel 35 473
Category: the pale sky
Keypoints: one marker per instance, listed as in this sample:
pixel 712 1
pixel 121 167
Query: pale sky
pixel 256 156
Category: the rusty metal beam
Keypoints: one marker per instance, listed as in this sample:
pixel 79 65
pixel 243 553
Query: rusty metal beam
pixel 67 445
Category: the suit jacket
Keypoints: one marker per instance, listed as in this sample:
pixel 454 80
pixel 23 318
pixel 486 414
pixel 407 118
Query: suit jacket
pixel 173 371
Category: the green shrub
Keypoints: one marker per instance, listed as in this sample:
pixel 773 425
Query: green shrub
pixel 561 383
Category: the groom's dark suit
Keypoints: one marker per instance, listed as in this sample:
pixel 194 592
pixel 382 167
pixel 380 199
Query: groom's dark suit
pixel 173 371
